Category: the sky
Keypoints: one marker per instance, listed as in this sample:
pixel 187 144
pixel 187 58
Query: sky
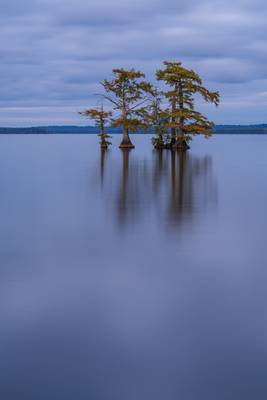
pixel 54 53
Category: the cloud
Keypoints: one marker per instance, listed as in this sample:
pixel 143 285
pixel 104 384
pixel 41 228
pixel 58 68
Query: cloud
pixel 54 53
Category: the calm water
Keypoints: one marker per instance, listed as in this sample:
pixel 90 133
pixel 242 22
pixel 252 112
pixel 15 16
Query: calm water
pixel 133 276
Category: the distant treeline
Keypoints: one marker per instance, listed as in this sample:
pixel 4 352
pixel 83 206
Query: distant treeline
pixel 219 129
pixel 241 129
pixel 40 130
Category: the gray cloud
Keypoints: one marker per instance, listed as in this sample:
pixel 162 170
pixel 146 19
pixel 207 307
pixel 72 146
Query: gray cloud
pixel 54 53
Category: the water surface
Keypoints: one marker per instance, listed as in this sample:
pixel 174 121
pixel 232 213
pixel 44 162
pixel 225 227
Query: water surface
pixel 133 275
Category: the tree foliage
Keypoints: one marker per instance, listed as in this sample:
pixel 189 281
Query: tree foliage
pixel 184 121
pixel 171 112
pixel 128 91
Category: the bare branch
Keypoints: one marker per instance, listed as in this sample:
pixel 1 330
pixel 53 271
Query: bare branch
pixel 139 104
pixel 117 104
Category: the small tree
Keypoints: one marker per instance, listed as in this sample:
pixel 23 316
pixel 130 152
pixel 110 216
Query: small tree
pixel 184 121
pixel 100 117
pixel 127 91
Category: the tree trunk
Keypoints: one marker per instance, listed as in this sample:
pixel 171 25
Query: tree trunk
pixel 126 141
pixel 173 138
pixel 180 145
pixel 102 163
pixel 124 189
pixel 103 143
pixel 159 141
pixel 173 120
pixel 180 142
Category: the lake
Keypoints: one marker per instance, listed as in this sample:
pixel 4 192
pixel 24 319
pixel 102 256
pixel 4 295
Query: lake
pixel 133 275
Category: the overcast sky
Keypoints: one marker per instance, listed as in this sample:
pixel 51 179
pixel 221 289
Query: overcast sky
pixel 54 53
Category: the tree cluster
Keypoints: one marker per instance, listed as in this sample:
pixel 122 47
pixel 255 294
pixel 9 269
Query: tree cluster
pixel 170 112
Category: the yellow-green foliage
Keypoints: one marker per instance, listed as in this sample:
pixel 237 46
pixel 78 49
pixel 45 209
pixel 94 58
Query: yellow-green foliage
pixel 100 117
pixel 183 84
pixel 128 92
pixel 138 105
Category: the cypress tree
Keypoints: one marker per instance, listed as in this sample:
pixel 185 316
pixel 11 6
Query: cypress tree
pixel 100 117
pixel 184 120
pixel 128 92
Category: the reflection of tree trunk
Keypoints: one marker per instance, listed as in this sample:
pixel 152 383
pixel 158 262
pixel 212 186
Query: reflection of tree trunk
pixel 160 163
pixel 182 157
pixel 125 171
pixel 178 185
pixel 158 171
pixel 124 183
pixel 177 181
pixel 173 174
pixel 103 152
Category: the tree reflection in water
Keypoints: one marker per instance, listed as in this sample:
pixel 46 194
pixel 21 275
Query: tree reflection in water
pixel 103 157
pixel 175 186
pixel 192 187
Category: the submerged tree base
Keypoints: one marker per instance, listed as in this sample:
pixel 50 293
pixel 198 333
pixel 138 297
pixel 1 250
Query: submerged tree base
pixel 160 146
pixel 177 146
pixel 181 146
pixel 126 144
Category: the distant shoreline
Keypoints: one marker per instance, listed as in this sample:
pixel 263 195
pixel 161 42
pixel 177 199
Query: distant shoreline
pixel 260 129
